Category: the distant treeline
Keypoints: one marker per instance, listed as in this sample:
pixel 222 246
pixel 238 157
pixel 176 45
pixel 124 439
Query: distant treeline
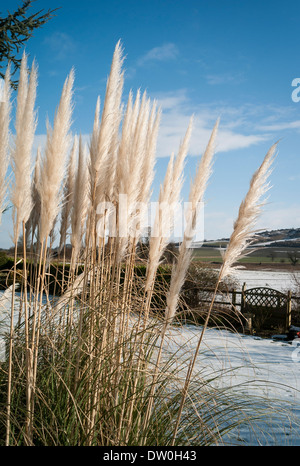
pixel 286 244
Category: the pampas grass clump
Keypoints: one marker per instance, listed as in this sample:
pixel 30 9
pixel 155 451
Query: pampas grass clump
pixel 85 360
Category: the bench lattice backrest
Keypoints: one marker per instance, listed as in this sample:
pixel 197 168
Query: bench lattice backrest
pixel 264 297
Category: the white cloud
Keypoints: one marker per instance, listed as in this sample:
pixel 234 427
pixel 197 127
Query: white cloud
pixel 282 126
pixel 172 100
pixel 177 109
pixel 233 141
pixel 173 128
pixel 163 52
pixel 61 44
pixel 240 128
pixel 226 78
pixel 294 178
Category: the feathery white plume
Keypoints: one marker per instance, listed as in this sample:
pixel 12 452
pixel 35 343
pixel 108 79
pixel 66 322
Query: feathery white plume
pixel 168 198
pixel 54 161
pixel 80 199
pixel 158 240
pixel 93 146
pixel 32 223
pixel 249 211
pixel 5 109
pixel 196 196
pixel 68 195
pixel 109 122
pixel 21 155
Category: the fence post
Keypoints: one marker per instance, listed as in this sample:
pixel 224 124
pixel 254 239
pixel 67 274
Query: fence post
pixel 288 310
pixel 233 299
pixel 243 297
pixel 249 322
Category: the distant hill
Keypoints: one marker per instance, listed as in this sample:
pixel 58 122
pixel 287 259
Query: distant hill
pixel 272 248
pixel 288 237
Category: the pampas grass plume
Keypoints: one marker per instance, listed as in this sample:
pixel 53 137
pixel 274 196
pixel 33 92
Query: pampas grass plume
pixel 54 161
pixel 196 196
pixel 80 200
pixel 147 174
pixel 32 223
pixel 109 121
pixel 68 195
pixel 158 241
pixel 5 109
pixel 21 155
pixel 93 151
pixel 249 211
pixel 243 234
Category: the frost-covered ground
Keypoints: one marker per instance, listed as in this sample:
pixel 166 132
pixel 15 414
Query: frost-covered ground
pixel 278 280
pixel 262 370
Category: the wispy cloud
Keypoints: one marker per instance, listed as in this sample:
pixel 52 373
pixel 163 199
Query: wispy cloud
pixel 226 78
pixel 240 127
pixel 163 52
pixel 174 100
pixel 282 126
pixel 294 178
pixel 60 44
pixel 177 109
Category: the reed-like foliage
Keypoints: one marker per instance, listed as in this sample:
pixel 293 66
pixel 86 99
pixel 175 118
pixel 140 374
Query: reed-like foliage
pixel 5 109
pixel 21 155
pixel 54 162
pixel 86 359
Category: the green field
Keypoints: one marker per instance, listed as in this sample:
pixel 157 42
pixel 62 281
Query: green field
pixel 267 255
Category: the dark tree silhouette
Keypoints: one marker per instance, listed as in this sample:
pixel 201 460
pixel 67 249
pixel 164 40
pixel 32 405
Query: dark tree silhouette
pixel 293 257
pixel 15 30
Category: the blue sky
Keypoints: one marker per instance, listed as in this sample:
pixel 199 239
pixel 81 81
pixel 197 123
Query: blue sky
pixel 212 58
